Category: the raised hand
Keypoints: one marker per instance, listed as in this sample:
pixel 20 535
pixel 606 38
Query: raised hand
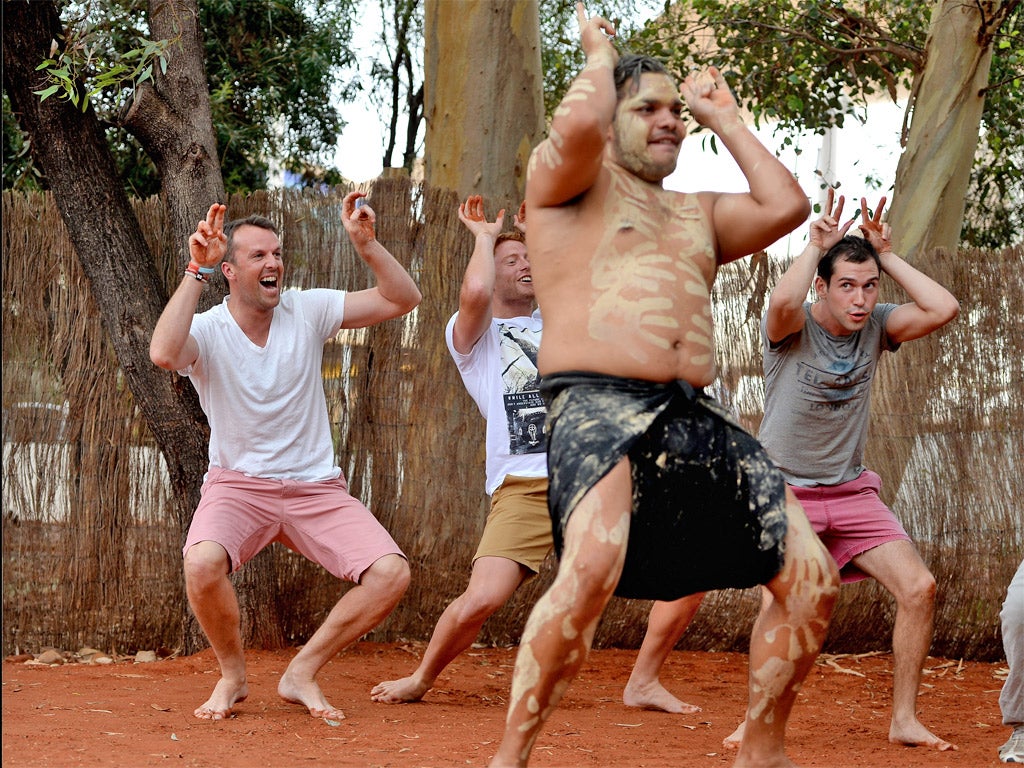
pixel 709 99
pixel 471 213
pixel 359 220
pixel 595 32
pixel 207 245
pixel 826 231
pixel 877 232
pixel 519 220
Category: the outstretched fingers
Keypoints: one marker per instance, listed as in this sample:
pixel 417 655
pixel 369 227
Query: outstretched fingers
pixel 208 243
pixel 866 215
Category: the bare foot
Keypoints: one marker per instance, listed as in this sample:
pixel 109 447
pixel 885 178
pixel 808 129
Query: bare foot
pixel 914 734
pixel 732 741
pixel 773 760
pixel 308 694
pixel 653 695
pixel 225 695
pixel 399 691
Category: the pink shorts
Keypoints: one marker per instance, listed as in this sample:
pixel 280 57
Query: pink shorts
pixel 321 521
pixel 850 519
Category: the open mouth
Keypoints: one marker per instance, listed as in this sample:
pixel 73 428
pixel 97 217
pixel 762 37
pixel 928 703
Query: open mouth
pixel 269 282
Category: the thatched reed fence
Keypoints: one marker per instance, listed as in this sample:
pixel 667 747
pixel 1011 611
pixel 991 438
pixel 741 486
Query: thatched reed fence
pixel 91 554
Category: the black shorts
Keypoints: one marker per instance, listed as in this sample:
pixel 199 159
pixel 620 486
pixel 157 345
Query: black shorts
pixel 709 507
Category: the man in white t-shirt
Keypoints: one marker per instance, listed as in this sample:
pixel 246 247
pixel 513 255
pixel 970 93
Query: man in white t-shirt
pixel 255 361
pixel 494 339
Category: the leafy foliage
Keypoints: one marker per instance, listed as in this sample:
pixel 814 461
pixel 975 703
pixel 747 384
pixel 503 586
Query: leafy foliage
pixel 273 67
pixel 75 61
pixel 396 74
pixel 561 55
pixel 813 65
pixel 19 170
pixel 995 204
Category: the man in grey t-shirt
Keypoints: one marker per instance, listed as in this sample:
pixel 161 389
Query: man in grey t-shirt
pixel 819 362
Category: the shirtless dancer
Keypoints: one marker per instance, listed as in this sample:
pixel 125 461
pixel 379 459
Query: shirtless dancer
pixel 654 491
pixel 493 339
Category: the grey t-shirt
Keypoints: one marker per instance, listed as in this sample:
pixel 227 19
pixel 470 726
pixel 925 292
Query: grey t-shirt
pixel 817 397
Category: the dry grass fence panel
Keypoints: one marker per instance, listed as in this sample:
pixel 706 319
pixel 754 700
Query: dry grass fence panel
pixel 91 555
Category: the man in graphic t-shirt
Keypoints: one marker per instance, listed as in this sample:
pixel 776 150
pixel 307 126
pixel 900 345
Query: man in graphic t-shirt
pixel 494 339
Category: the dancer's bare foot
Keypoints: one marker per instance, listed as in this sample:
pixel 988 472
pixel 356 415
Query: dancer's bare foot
pixel 308 694
pixel 732 741
pixel 653 695
pixel 399 691
pixel 914 734
pixel 775 760
pixel 225 695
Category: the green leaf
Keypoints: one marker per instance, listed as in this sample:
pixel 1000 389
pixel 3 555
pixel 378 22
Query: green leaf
pixel 47 93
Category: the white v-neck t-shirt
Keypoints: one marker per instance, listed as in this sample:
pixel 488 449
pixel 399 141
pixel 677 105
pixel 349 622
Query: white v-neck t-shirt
pixel 266 405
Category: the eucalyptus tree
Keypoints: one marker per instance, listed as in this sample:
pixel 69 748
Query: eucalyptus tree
pixel 481 83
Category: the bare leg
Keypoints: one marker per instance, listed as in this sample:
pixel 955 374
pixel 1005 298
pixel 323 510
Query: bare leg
pixel 491 584
pixel 898 567
pixel 665 626
pixel 359 610
pixel 788 637
pixel 732 741
pixel 215 605
pixel 561 627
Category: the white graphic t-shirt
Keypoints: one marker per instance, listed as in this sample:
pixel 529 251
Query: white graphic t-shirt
pixel 500 374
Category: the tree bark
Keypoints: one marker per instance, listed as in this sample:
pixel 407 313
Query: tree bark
pixel 932 178
pixel 171 118
pixel 484 96
pixel 934 171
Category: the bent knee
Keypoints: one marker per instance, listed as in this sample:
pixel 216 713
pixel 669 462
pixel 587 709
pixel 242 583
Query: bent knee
pixel 205 562
pixel 919 592
pixel 591 584
pixel 478 605
pixel 390 575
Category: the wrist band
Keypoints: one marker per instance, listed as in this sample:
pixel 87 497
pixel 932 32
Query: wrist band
pixel 202 274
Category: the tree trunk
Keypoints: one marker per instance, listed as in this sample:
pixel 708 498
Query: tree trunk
pixel 171 118
pixel 928 201
pixel 70 147
pixel 484 96
pixel 934 171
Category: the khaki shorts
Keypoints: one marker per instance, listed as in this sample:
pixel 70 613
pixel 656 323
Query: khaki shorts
pixel 518 526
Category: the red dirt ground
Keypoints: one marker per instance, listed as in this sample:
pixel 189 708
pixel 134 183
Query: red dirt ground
pixel 134 714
